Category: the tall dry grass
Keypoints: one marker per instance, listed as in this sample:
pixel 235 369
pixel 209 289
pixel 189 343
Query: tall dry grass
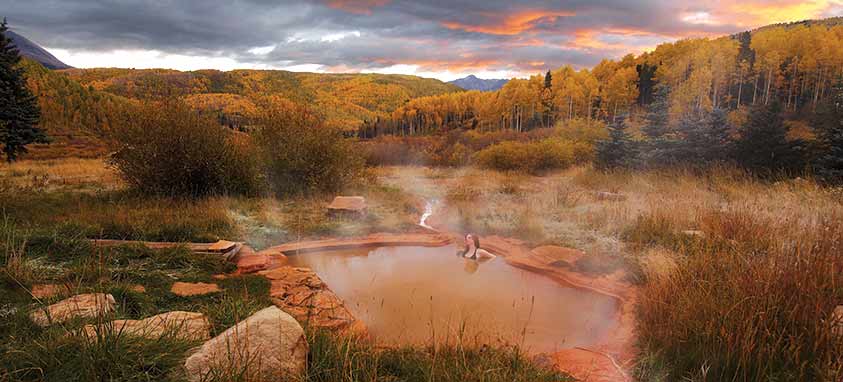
pixel 63 174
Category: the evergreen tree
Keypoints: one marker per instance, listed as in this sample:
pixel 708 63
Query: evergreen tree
pixel 646 83
pixel 547 100
pixel 704 138
pixel 763 146
pixel 717 137
pixel 828 127
pixel 19 111
pixel 658 114
pixel 617 151
pixel 688 147
pixel 659 143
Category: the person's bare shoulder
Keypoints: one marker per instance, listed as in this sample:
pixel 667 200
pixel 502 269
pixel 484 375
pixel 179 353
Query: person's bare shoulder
pixel 484 254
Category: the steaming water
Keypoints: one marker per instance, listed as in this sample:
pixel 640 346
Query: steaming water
pixel 410 295
pixel 428 211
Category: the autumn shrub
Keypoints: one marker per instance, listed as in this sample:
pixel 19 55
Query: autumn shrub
pixel 167 149
pixel 396 151
pixel 581 130
pixel 300 155
pixel 533 157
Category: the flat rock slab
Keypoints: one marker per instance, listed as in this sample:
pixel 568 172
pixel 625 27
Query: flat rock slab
pixel 301 293
pixel 193 289
pixel 222 246
pixel 269 345
pixel 184 325
pixel 138 288
pixel 80 306
pixel 352 204
pixel 47 290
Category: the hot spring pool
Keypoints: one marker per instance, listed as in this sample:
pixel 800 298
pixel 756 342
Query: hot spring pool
pixel 410 295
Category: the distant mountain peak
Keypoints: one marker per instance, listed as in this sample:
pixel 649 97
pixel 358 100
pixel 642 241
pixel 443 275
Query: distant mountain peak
pixel 33 51
pixel 471 82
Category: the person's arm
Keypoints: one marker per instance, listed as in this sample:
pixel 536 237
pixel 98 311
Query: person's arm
pixel 484 254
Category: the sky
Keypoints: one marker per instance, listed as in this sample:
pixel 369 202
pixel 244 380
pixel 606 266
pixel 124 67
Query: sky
pixel 444 39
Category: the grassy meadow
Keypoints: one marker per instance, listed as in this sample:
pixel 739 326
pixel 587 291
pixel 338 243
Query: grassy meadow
pixel 50 209
pixel 717 255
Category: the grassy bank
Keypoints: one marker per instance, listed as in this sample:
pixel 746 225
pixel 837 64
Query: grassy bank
pixel 63 353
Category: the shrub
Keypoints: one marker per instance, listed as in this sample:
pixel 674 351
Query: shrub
pixel 582 130
pixel 395 151
pixel 533 157
pixel 168 149
pixel 301 155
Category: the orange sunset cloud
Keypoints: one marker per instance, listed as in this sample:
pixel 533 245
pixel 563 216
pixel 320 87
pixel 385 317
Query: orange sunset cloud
pixel 510 25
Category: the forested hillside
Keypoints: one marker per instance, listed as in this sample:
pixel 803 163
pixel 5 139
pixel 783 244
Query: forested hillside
pixel 344 100
pixel 78 104
pixel 73 115
pixel 794 64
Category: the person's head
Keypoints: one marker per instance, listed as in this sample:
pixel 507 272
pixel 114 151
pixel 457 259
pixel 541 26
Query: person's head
pixel 472 241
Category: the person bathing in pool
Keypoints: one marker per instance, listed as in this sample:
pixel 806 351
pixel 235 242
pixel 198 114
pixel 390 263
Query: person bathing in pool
pixel 473 251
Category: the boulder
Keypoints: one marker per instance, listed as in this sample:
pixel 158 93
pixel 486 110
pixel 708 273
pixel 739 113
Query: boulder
pixel 82 305
pixel 193 289
pixel 185 325
pixel 268 346
pixel 300 292
pixel 355 205
pixel 609 196
pixel 137 288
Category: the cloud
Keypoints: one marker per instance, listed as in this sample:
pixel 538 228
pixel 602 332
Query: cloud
pixel 361 7
pixel 428 37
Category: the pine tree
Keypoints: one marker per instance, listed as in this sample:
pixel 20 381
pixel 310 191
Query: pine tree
pixel 688 149
pixel 19 111
pixel 659 144
pixel 619 150
pixel 828 127
pixel 763 146
pixel 658 114
pixel 703 138
pixel 717 137
pixel 547 100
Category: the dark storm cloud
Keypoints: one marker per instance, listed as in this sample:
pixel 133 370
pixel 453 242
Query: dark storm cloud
pixel 360 34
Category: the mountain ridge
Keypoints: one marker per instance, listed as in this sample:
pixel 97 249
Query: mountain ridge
pixel 471 82
pixel 35 52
